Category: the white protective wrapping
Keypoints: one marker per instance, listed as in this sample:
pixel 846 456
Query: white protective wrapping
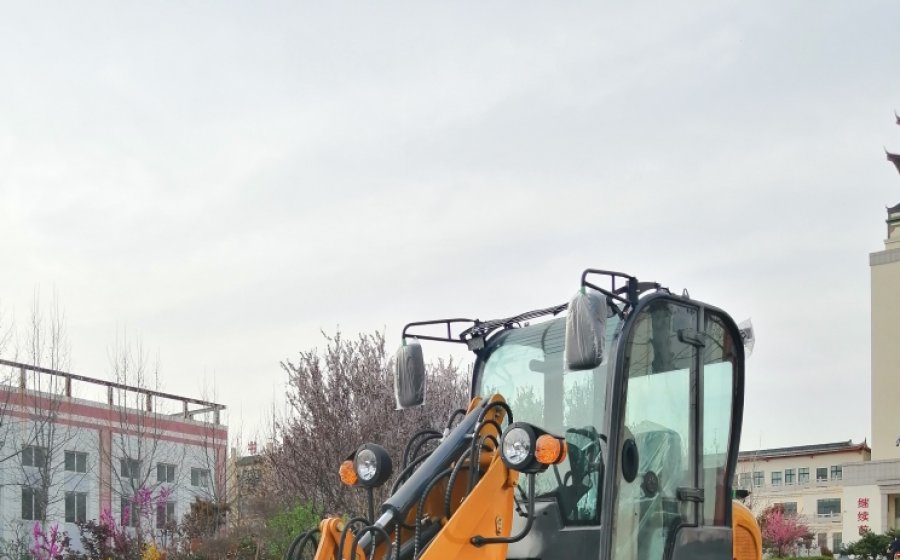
pixel 585 330
pixel 661 453
pixel 409 376
pixel 644 520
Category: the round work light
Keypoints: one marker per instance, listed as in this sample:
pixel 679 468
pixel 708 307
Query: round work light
pixel 517 446
pixel 372 465
pixel 366 464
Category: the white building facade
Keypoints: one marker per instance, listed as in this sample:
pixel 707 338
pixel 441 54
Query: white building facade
pixel 808 480
pixel 65 460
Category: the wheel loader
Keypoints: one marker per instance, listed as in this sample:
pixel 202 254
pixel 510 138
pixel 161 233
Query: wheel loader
pixel 604 428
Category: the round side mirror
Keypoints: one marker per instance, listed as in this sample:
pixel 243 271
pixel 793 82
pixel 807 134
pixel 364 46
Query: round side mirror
pixel 409 375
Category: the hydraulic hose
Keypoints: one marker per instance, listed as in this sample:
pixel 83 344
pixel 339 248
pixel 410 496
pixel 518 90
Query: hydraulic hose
pixel 299 543
pixel 459 412
pixel 405 495
pixel 412 439
pixel 421 444
pixel 381 532
pixel 347 528
pixel 404 474
pixel 421 506
pixel 448 495
pixel 474 473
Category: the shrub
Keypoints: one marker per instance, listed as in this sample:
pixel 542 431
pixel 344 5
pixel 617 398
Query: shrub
pixel 286 525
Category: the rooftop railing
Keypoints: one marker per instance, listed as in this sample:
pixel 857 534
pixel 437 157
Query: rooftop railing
pixel 148 394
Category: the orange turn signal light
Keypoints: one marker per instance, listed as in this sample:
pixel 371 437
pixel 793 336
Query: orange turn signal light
pixel 549 450
pixel 348 473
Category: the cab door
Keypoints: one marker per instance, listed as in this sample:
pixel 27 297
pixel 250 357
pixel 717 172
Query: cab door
pixel 656 474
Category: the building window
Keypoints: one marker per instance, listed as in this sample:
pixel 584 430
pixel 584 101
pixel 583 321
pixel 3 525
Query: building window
pixel 32 504
pixel 776 478
pixel 76 461
pixel 790 508
pixel 837 472
pixel 33 456
pixel 823 540
pixel 200 477
pixel 130 468
pixel 76 507
pixel 802 475
pixel 836 542
pixel 745 480
pixel 165 472
pixel 822 474
pixel 829 507
pixel 130 512
pixel 758 478
pixel 165 515
pixel 788 476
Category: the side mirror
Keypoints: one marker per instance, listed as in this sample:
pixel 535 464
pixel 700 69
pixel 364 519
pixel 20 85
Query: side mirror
pixel 585 330
pixel 409 375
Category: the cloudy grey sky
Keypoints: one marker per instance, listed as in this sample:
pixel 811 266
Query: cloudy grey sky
pixel 224 179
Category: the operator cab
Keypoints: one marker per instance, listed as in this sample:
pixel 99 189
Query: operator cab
pixel 652 425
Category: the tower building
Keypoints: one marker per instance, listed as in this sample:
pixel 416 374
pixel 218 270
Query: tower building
pixel 885 285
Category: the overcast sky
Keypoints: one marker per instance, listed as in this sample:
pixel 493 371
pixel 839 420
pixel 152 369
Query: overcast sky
pixel 223 180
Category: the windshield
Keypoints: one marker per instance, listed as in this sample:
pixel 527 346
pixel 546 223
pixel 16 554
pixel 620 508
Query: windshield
pixel 526 366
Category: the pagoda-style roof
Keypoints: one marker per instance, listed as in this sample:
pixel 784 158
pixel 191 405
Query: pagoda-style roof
pixel 893 158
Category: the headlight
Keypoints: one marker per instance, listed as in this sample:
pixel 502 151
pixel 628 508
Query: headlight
pixel 366 464
pixel 369 466
pixel 517 446
pixel 529 449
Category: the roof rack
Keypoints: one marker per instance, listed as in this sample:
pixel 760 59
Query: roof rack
pixel 474 336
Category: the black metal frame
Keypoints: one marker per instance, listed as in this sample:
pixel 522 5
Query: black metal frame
pixel 617 385
pixel 475 335
pixel 448 322
pixel 632 289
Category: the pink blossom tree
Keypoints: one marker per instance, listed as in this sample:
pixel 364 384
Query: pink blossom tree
pixel 47 545
pixel 780 530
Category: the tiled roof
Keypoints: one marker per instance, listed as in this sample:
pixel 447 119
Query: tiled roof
pixel 799 450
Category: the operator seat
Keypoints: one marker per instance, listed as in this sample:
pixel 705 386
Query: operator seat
pixel 584 459
pixel 660 474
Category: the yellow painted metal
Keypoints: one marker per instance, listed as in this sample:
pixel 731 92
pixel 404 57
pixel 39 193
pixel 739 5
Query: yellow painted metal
pixel 330 538
pixel 330 528
pixel 747 536
pixel 486 511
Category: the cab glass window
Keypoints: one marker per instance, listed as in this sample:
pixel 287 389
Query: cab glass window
pixel 526 366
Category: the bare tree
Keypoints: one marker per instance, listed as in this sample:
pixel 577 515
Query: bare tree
pixel 134 443
pixel 159 457
pixel 210 457
pixel 339 400
pixel 44 434
pixel 8 384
